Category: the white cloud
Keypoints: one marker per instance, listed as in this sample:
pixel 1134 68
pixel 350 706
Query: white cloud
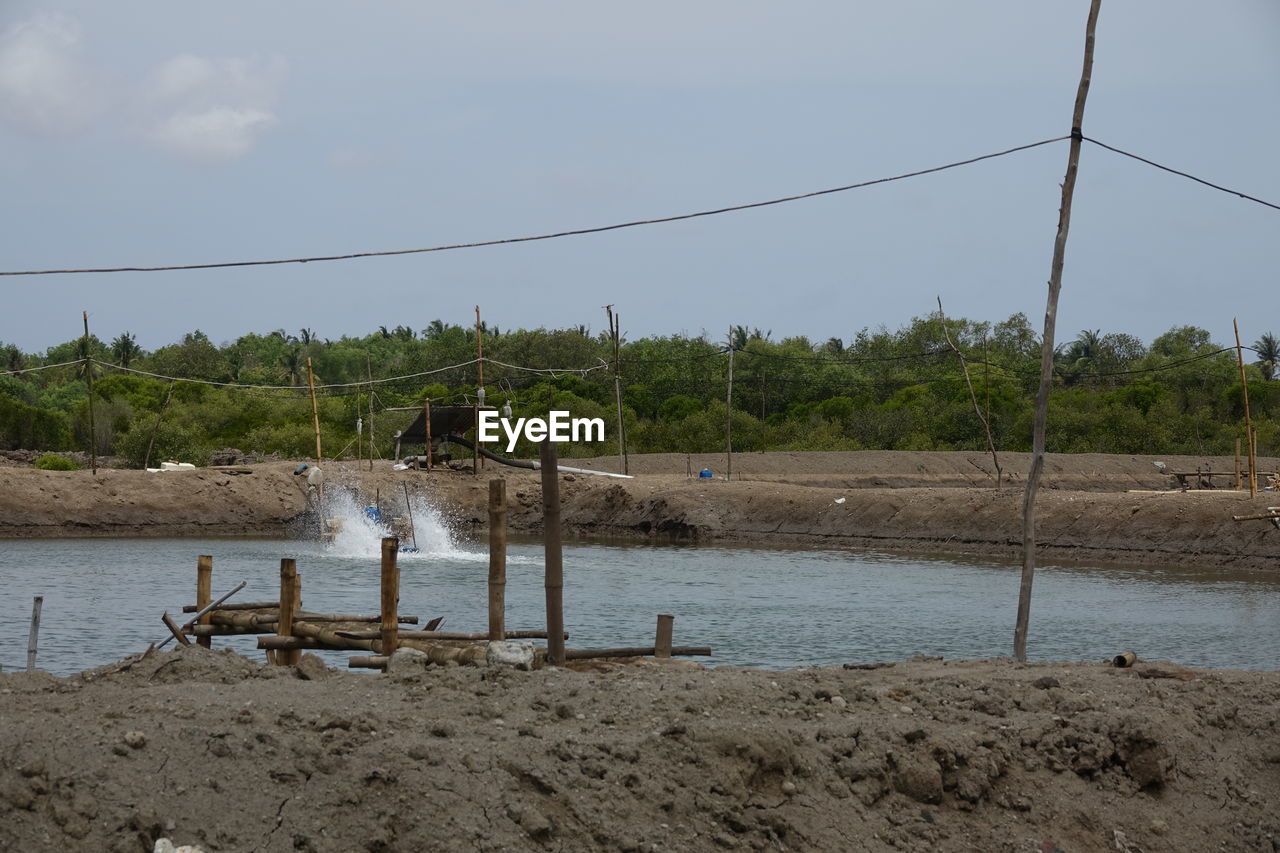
pixel 211 110
pixel 44 85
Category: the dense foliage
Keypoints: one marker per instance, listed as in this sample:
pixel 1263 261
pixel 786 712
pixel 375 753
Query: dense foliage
pixel 899 390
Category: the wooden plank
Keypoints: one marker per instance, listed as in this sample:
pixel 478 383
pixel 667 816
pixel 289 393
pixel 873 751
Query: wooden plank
pixel 204 592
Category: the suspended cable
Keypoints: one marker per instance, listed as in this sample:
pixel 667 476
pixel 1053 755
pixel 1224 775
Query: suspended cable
pixel 551 236
pixel 1182 174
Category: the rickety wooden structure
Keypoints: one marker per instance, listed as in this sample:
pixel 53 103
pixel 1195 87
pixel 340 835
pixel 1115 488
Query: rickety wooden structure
pixel 285 629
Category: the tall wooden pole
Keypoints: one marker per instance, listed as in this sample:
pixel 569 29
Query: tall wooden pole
pixel 497 559
pixel 554 576
pixel 390 596
pixel 204 594
pixel 426 424
pixel 615 327
pixel 368 363
pixel 728 415
pixel 1248 420
pixel 146 462
pixel 1046 351
pixel 88 375
pixel 315 411
pixel 477 461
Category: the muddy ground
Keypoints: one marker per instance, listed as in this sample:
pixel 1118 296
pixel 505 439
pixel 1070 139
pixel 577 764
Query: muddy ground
pixel 1092 507
pixel 929 755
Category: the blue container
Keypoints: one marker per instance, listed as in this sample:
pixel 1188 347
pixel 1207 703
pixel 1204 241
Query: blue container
pixel 374 514
pixel 704 474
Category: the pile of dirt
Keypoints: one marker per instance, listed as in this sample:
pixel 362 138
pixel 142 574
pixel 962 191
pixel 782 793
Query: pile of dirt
pixel 210 748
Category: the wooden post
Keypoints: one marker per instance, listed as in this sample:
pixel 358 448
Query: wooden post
pixel 289 594
pixel 146 462
pixel 973 397
pixel 1046 351
pixel 728 415
pixel 662 642
pixel 554 576
pixel 426 415
pixel 315 411
pixel 390 595
pixel 37 604
pixel 174 629
pixel 368 364
pixel 1248 421
pixel 477 461
pixel 204 593
pixel 1237 463
pixel 497 560
pixel 88 376
pixel 408 506
pixel 615 333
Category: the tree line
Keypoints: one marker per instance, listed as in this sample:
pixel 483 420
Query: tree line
pixel 881 389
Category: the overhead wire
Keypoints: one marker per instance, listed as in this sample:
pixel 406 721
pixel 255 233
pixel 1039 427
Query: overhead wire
pixel 550 236
pixel 1186 175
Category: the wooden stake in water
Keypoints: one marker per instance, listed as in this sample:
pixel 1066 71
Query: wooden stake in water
pixel 204 594
pixel 662 642
pixel 36 604
pixel 1047 349
pixel 289 595
pixel 390 595
pixel 497 560
pixel 554 577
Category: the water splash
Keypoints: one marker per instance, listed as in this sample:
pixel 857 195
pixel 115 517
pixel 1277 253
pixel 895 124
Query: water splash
pixel 359 533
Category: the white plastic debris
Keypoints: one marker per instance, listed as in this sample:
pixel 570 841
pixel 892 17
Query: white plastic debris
pixel 841 500
pixel 164 845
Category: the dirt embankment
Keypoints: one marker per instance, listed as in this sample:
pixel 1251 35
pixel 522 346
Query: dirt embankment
pixel 927 502
pixel 210 748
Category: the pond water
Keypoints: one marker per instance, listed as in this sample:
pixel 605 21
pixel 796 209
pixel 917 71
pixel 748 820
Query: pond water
pixel 754 607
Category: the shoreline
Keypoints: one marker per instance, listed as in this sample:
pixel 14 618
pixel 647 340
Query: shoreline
pixel 1085 511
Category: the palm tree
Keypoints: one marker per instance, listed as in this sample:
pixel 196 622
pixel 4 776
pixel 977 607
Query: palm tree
pixel 307 336
pixel 125 348
pixel 292 361
pixel 433 330
pixel 1268 350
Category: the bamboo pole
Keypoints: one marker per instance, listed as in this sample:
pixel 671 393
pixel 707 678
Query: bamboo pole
pixel 1046 352
pixel 426 416
pixel 662 642
pixel 390 594
pixel 634 652
pixel 368 662
pixel 146 462
pixel 615 326
pixel 1248 420
pixel 368 364
pixel 728 415
pixel 289 592
pixel 204 593
pixel 477 461
pixel 315 411
pixel 497 560
pixel 408 505
pixel 554 575
pixel 374 633
pixel 973 397
pixel 1237 463
pixel 37 604
pixel 245 605
pixel 88 376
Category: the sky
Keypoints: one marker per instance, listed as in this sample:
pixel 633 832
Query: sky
pixel 146 133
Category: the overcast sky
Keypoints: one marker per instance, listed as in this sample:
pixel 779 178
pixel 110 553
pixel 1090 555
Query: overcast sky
pixel 153 133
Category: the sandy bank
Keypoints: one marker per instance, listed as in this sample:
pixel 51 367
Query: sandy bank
pixel 209 747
